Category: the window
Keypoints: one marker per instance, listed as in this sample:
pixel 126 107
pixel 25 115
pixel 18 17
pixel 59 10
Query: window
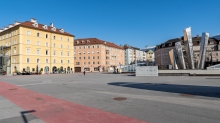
pixel 28 60
pixel 88 57
pixel 96 69
pixel 93 62
pixel 46 60
pixel 46 52
pixel 61 61
pixel 14 41
pixel 15 33
pixel 93 57
pixel 61 38
pixel 98 62
pixel 47 44
pixel 46 36
pixel 68 53
pixel 79 58
pixel 68 39
pixel 61 53
pixel 87 69
pixel 28 51
pixel 93 46
pixel 38 34
pixel 28 41
pixel 68 61
pixel 14 60
pixel 74 58
pixel 84 57
pixel 77 63
pixel 61 46
pixel 28 33
pixel 38 51
pixel 54 52
pixel 88 62
pixel 84 63
pixel 54 45
pixel 97 46
pixel 68 47
pixel 54 37
pixel 14 50
pixel 54 61
pixel 97 57
pixel 38 43
pixel 88 46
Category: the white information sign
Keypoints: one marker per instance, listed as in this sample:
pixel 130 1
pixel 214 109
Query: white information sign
pixel 146 70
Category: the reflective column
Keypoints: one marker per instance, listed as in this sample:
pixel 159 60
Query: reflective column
pixel 189 47
pixel 203 47
pixel 180 54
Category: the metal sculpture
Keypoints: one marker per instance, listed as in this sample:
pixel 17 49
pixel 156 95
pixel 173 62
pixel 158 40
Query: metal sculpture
pixel 180 55
pixel 173 59
pixel 203 47
pixel 189 47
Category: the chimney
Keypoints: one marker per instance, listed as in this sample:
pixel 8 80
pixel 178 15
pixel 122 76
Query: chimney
pixel 51 24
pixel 197 36
pixel 33 20
pixel 16 23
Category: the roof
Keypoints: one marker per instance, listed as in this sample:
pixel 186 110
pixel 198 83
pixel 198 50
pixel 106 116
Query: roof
pixel 40 27
pixel 173 40
pixel 216 37
pixel 29 24
pixel 90 41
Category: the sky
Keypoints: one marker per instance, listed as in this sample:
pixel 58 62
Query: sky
pixel 137 23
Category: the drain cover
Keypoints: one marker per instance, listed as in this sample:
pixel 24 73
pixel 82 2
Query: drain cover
pixel 119 98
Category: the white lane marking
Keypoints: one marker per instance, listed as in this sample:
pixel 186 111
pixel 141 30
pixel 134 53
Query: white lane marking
pixel 34 84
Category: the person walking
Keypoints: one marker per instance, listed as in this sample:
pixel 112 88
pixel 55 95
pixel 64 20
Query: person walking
pixel 84 72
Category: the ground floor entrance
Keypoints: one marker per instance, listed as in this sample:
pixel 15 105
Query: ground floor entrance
pixel 77 69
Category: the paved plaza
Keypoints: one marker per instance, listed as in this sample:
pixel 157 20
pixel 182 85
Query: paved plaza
pixel 109 98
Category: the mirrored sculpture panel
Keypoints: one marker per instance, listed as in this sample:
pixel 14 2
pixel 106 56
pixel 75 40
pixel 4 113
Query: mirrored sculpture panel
pixel 180 55
pixel 202 53
pixel 189 47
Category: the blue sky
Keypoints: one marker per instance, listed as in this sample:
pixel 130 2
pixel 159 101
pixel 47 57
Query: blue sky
pixel 134 22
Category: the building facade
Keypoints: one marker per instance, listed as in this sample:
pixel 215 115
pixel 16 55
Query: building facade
pixel 33 47
pixel 95 55
pixel 150 58
pixel 134 55
pixel 128 56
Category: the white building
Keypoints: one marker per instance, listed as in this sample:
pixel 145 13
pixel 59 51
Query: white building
pixel 140 56
pixel 128 56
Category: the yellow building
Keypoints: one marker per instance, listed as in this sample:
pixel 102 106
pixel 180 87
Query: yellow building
pixel 31 47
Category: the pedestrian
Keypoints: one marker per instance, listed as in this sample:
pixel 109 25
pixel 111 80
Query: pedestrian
pixel 84 72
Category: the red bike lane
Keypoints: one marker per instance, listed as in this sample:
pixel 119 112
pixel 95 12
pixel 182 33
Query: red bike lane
pixel 54 110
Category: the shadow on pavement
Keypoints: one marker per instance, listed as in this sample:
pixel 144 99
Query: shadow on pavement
pixel 26 112
pixel 208 91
